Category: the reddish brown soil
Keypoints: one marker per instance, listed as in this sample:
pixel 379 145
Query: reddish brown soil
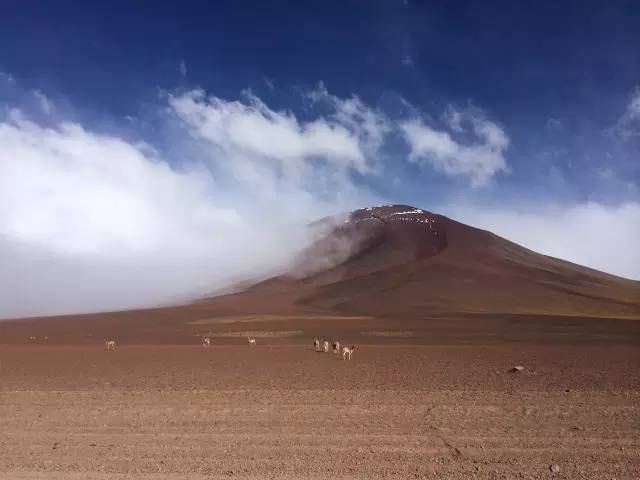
pixel 169 412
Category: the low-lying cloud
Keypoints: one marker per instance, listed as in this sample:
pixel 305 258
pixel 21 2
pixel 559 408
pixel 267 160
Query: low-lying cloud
pixel 91 221
pixel 591 234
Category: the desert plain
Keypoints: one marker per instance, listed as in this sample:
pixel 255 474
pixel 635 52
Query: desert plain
pixel 420 399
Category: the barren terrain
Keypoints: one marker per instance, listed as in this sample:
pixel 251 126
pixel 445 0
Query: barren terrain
pixel 285 411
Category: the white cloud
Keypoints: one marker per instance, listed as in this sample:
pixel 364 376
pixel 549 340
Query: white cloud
pixel 56 180
pixel 628 124
pixel 266 145
pixel 591 234
pixel 369 125
pixel 478 159
pixel 90 221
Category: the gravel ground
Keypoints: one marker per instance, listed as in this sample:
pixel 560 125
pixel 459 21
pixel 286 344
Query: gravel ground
pixel 394 411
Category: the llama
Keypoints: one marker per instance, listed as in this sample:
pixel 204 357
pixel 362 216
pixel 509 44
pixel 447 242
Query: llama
pixel 325 346
pixel 316 344
pixel 110 344
pixel 346 352
pixel 336 347
pixel 252 341
pixel 206 342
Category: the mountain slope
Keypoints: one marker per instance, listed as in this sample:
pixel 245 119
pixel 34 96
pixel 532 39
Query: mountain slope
pixel 396 260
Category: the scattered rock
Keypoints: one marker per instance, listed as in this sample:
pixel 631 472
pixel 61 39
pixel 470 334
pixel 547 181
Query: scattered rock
pixel 55 445
pixel 555 468
pixel 92 444
pixel 517 369
pixel 567 391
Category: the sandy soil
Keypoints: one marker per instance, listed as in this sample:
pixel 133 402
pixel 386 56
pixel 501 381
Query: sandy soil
pixel 394 411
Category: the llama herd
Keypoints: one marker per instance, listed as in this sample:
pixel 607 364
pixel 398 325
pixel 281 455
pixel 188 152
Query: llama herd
pixel 206 341
pixel 34 339
pixel 346 352
pixel 318 346
pixel 335 345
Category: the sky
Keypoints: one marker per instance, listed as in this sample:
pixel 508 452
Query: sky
pixel 152 152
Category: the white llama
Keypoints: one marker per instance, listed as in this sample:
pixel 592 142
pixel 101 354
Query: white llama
pixel 346 352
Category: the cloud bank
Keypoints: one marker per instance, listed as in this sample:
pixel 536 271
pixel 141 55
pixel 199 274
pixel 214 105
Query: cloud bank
pixel 91 221
pixel 590 234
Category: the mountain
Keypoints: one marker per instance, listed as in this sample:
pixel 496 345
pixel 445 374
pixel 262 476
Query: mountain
pixel 398 260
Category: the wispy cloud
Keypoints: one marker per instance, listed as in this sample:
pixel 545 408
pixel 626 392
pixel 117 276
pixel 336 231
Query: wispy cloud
pixel 269 142
pixel 407 57
pixel 269 82
pixel 628 124
pixel 46 105
pixel 474 146
pixel 407 60
pixel 370 125
pixel 554 125
pixel 5 77
pixel 182 68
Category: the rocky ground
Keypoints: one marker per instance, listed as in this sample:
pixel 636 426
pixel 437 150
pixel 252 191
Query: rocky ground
pixel 394 411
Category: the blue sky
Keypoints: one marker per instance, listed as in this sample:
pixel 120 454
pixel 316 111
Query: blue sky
pixel 574 63
pixel 520 118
